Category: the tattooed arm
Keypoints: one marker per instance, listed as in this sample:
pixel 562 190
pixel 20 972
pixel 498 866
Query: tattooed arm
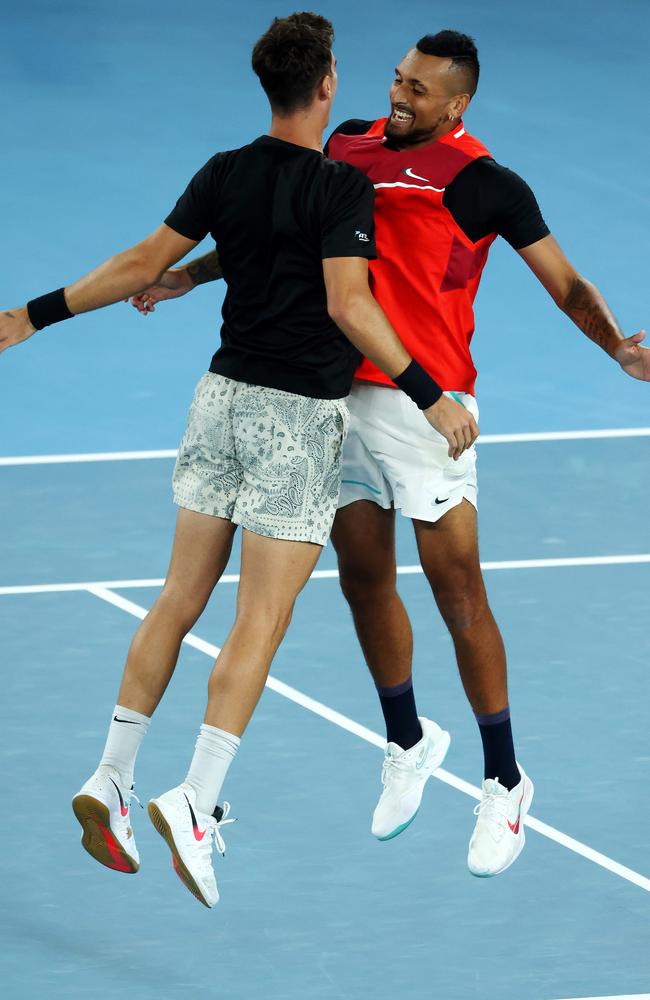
pixel 179 281
pixel 203 269
pixel 583 303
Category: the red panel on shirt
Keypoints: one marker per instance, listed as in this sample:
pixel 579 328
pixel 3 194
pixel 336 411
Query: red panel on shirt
pixel 427 272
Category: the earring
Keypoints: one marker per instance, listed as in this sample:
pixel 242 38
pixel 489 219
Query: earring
pixel 451 118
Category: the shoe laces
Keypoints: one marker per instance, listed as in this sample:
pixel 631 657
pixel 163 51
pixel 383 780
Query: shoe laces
pixel 203 848
pixel 219 842
pixel 393 767
pixel 493 809
pixel 132 796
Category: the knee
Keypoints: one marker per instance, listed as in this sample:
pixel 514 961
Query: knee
pixel 361 587
pixel 462 602
pixel 269 623
pixel 183 606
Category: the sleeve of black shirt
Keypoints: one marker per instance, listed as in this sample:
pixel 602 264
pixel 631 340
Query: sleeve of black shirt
pixel 192 215
pixel 487 198
pixel 348 226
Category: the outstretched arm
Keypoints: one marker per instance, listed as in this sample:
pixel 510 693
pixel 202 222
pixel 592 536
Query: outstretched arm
pixel 118 278
pixel 179 281
pixel 583 303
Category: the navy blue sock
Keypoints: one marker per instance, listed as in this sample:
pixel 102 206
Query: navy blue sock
pixel 400 714
pixel 498 748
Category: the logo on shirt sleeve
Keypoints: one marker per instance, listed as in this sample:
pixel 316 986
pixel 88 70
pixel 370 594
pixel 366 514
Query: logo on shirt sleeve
pixel 362 237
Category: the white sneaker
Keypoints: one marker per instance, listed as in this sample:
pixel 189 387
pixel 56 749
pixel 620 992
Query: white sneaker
pixel 103 808
pixel 499 836
pixel 404 775
pixel 190 835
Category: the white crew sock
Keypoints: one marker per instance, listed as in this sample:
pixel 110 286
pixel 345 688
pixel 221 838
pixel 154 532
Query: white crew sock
pixel 125 734
pixel 214 753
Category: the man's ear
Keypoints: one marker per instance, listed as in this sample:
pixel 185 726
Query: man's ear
pixel 325 90
pixel 459 105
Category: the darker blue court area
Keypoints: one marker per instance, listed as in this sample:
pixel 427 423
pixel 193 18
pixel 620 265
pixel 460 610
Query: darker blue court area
pixel 107 110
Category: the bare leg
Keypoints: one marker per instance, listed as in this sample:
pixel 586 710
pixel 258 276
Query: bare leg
pixel 449 556
pixel 202 545
pixel 364 540
pixel 363 537
pixel 273 572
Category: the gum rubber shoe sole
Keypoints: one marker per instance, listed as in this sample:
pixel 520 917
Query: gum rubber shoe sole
pixel 184 874
pixel 98 838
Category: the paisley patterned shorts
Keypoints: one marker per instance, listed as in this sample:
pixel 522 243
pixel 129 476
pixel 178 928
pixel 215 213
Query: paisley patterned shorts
pixel 263 458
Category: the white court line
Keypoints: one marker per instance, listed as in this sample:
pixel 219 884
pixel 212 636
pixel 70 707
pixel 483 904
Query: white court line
pixel 623 432
pixel 318 708
pixel 618 996
pixel 96 456
pixel 124 456
pixel 332 574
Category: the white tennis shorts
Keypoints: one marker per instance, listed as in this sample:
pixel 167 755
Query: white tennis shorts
pixel 394 457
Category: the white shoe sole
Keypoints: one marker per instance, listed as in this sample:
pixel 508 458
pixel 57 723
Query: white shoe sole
pixel 98 838
pixel 525 806
pixel 162 826
pixel 442 747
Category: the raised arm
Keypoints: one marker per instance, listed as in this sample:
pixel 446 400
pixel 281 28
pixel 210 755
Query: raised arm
pixel 118 278
pixel 355 311
pixel 583 303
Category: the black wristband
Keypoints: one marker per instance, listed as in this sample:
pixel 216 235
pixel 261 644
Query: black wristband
pixel 418 384
pixel 48 309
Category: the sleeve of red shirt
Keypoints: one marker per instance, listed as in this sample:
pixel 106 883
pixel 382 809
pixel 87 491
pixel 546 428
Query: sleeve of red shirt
pixel 517 218
pixel 487 197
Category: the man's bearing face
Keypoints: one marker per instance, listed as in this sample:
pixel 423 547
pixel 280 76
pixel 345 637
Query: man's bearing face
pixel 420 99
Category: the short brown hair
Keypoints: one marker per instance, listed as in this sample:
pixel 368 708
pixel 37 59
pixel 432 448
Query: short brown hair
pixel 292 57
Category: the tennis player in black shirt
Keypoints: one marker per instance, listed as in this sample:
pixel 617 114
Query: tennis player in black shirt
pixel 263 442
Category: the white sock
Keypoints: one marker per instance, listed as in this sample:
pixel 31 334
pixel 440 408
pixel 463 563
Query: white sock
pixel 214 753
pixel 125 734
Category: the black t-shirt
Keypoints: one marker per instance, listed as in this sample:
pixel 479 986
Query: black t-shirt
pixel 275 210
pixel 484 198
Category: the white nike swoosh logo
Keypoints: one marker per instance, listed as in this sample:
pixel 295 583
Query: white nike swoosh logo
pixel 409 173
pixel 423 756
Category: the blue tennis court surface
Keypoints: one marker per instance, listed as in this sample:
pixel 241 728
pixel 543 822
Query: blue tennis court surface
pixel 110 108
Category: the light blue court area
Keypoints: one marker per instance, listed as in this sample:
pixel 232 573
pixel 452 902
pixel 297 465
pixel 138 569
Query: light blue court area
pixel 107 110
pixel 311 904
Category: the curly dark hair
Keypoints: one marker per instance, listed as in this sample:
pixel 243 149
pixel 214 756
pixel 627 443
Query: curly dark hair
pixel 291 59
pixel 462 51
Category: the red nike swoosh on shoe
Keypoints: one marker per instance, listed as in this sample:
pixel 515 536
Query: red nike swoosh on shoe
pixel 198 834
pixel 515 827
pixel 123 809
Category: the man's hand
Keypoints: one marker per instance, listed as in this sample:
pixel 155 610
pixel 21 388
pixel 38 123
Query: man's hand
pixel 455 423
pixel 634 359
pixel 14 327
pixel 172 285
